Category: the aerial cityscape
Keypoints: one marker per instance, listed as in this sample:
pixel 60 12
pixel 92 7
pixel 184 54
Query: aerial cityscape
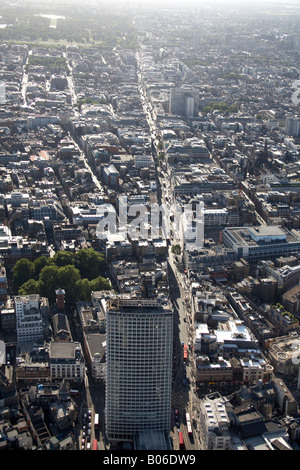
pixel 149 227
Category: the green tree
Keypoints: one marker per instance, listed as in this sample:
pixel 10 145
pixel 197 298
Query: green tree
pixel 49 282
pixel 84 289
pixel 63 258
pixel 90 263
pixel 22 271
pixel 39 264
pixel 100 283
pixel 67 279
pixel 176 249
pixel 78 274
pixel 29 287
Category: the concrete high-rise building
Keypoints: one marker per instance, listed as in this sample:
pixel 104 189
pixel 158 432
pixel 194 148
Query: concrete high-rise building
pixel 184 102
pixel 111 176
pixel 292 126
pixel 139 342
pixel 189 102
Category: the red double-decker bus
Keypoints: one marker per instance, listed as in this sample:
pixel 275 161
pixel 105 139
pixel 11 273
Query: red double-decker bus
pixel 95 444
pixel 185 352
pixel 181 441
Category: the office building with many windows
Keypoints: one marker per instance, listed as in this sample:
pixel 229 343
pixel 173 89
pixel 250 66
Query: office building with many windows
pixel 139 342
pixel 261 242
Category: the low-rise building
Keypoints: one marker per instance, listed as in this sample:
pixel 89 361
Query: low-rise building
pixel 8 316
pixel 282 319
pixel 283 353
pixel 291 300
pixel 66 361
pixel 286 402
pixel 61 328
pixel 215 422
pixel 95 349
pixel 262 242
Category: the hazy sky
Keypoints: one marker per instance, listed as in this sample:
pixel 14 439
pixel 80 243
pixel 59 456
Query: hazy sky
pixel 284 5
pixel 211 2
pixel 239 4
pixel 207 3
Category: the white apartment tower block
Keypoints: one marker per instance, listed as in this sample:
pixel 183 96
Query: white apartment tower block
pixel 28 318
pixel 215 422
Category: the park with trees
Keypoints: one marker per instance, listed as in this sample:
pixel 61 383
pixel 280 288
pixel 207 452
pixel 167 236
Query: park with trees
pixel 96 27
pixel 77 273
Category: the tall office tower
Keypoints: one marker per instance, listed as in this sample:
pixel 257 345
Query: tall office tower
pixel 292 126
pixel 139 348
pixel 184 102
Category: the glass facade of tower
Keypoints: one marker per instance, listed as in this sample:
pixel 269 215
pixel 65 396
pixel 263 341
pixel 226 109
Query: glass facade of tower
pixel 139 371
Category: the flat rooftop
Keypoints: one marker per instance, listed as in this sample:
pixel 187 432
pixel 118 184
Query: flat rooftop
pixel 263 234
